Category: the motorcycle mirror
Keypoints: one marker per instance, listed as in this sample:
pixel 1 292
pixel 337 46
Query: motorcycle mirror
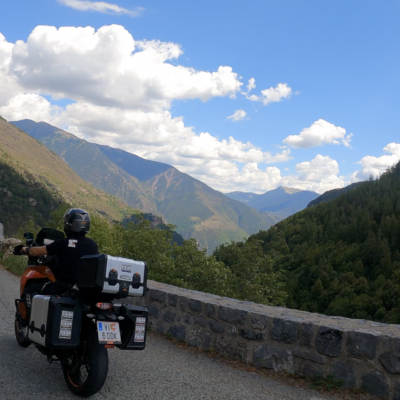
pixel 28 236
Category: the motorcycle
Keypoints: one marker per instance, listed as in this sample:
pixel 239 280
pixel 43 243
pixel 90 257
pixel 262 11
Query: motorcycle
pixel 78 327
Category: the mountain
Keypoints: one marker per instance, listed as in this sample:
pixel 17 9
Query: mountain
pixel 282 201
pixel 196 209
pixel 34 182
pixel 333 194
pixel 342 257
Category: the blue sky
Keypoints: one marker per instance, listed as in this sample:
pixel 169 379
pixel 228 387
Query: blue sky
pixel 334 122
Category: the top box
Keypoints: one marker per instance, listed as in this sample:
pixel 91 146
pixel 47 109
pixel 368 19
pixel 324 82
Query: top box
pixel 114 277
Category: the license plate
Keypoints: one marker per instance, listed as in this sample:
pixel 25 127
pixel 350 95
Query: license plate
pixel 108 332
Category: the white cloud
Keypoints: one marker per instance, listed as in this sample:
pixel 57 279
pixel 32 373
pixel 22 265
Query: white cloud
pixel 8 84
pixel 281 91
pixel 271 95
pixel 376 166
pixel 319 133
pixel 251 85
pixel 123 90
pixel 319 175
pixel 238 115
pixel 30 106
pixel 157 136
pixel 108 67
pixel 99 6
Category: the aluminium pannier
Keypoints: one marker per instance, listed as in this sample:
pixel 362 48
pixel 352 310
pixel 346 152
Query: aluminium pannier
pixel 55 322
pixel 116 277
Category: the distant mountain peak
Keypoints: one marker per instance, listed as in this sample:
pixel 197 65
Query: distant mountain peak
pixel 290 190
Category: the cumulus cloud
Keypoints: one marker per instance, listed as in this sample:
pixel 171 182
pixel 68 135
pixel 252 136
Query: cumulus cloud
pixel 122 91
pixel 319 133
pixel 271 95
pixel 30 106
pixel 238 115
pixel 376 166
pixel 99 6
pixel 319 175
pixel 108 67
pixel 157 136
pixel 8 83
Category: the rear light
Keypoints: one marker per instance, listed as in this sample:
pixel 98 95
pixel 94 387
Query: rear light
pixel 104 306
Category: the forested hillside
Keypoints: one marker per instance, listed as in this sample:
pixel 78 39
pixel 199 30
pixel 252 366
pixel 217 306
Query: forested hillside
pixel 34 182
pixel 23 198
pixel 341 257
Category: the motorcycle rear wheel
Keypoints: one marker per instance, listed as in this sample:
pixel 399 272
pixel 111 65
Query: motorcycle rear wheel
pixel 86 368
pixel 21 333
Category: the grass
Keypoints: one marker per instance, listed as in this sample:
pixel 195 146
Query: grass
pixel 16 265
pixel 327 383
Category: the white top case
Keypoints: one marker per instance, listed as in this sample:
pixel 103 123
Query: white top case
pixel 126 269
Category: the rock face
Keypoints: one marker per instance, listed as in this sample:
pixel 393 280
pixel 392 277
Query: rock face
pixel 360 354
pixel 1 233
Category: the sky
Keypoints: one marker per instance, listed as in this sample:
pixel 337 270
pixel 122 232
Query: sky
pixel 242 95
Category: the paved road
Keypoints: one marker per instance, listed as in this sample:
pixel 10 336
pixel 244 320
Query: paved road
pixel 160 372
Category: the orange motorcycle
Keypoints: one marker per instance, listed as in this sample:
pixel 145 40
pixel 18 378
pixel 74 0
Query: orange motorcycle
pixel 78 327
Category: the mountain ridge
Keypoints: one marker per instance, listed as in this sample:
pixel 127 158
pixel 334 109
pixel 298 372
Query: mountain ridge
pixel 196 209
pixel 282 201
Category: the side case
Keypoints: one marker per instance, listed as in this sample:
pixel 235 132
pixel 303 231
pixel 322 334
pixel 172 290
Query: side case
pixel 38 321
pixel 133 327
pixel 55 322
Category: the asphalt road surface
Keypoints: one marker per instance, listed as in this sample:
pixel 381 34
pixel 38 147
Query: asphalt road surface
pixel 161 372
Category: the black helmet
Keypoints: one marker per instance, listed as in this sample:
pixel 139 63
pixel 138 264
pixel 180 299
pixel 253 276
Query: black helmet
pixel 76 220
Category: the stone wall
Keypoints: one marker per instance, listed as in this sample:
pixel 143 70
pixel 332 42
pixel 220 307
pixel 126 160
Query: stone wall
pixel 360 353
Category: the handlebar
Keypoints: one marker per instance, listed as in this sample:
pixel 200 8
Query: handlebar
pixel 18 250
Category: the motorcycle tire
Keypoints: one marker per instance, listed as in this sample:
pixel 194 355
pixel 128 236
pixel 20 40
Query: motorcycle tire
pixel 21 333
pixel 86 368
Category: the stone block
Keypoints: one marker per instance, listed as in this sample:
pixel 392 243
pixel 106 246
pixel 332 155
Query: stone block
pixel 202 321
pixel 158 295
pixel 397 391
pixel 178 332
pixel 232 330
pixel 169 316
pixel 1 233
pixel 306 334
pixel 172 299
pixel 232 315
pixel 200 338
pixel 249 334
pixel 259 321
pixel 362 344
pixel 272 357
pixel 154 312
pixel 309 355
pixel 195 305
pixel 189 319
pixel 329 341
pixel 232 349
pixel 391 362
pixel 217 326
pixel 183 302
pixel 344 372
pixel 375 383
pixel 159 328
pixel 308 368
pixel 285 330
pixel 211 310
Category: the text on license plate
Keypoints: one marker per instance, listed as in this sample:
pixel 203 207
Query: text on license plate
pixel 108 332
